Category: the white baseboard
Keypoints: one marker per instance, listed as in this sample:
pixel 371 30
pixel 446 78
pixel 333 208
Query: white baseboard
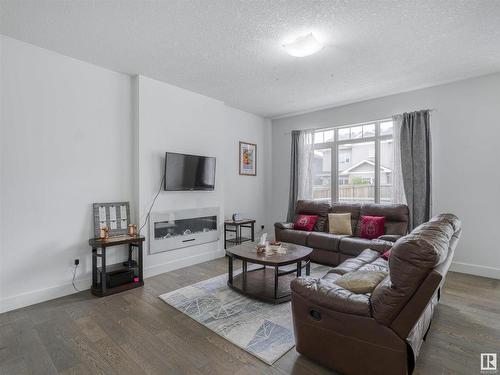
pixel 475 269
pixel 181 263
pixel 37 296
pixel 42 295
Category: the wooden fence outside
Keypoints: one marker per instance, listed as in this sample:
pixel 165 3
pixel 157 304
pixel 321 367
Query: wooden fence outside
pixel 354 193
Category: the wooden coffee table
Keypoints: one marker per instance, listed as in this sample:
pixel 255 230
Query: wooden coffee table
pixel 267 283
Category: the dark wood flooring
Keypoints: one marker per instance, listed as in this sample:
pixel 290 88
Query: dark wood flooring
pixel 136 333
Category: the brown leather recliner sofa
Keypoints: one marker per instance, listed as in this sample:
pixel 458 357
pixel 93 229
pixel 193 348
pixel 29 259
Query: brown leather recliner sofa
pixel 332 249
pixel 379 332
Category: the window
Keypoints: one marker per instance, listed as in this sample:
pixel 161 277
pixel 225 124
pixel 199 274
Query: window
pixel 386 167
pixel 386 128
pixel 354 163
pixel 324 136
pixel 345 156
pixel 360 175
pixel 322 173
pixel 344 133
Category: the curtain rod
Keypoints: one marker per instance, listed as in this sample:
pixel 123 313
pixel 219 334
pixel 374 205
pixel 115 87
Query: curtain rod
pixel 359 123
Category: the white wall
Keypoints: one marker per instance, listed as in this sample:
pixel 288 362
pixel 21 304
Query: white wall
pixel 66 140
pixel 466 176
pixel 2 264
pixel 247 195
pixel 72 134
pixel 177 120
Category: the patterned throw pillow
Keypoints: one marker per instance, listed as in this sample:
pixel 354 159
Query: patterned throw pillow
pixel 386 255
pixel 305 222
pixel 372 227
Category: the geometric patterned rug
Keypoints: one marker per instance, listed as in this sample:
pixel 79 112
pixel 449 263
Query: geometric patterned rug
pixel 264 330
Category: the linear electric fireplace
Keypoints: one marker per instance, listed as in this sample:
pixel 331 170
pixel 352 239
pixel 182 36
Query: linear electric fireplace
pixel 177 229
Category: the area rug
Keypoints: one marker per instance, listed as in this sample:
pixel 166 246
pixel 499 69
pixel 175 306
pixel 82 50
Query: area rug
pixel 262 329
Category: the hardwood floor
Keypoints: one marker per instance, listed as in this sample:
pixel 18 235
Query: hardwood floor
pixel 136 333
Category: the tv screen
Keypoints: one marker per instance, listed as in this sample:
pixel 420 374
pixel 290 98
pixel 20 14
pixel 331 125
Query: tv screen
pixel 189 172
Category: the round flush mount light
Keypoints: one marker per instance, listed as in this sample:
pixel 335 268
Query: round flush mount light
pixel 303 45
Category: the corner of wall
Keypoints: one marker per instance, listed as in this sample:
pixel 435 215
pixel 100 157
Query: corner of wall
pixel 1 178
pixel 134 162
pixel 268 180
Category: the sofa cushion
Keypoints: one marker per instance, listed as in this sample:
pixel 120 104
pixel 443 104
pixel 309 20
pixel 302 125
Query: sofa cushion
pixel 310 207
pixel 390 237
pixel 281 225
pixel 412 259
pixel 324 292
pixel 352 208
pixel 325 241
pixel 380 245
pixel 340 224
pixel 379 264
pixel 298 237
pixel 353 245
pixel 372 227
pixel 354 264
pixel 396 217
pixel 327 257
pixel 305 222
pixel 361 281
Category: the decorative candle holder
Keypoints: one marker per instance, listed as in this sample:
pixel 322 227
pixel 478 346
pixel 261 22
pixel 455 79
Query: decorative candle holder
pixel 132 230
pixel 103 233
pixel 261 249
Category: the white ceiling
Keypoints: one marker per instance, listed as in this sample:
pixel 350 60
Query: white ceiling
pixel 231 50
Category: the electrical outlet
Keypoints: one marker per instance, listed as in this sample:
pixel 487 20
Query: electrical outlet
pixel 77 262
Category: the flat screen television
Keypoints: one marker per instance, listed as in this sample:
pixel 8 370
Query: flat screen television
pixel 189 172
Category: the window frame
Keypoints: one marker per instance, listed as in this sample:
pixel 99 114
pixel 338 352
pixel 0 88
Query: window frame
pixel 334 146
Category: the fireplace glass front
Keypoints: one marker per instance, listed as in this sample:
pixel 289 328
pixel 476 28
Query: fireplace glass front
pixel 184 227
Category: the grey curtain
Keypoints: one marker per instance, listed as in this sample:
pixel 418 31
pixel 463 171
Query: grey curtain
pixel 294 176
pixel 416 164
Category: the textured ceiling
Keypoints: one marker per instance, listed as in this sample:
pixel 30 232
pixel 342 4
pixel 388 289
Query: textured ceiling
pixel 231 50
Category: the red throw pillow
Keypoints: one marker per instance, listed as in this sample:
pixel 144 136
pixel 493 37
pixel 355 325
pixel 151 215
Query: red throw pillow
pixel 372 227
pixel 386 255
pixel 305 222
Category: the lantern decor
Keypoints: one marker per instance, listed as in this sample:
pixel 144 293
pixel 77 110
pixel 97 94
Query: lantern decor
pixel 103 233
pixel 132 230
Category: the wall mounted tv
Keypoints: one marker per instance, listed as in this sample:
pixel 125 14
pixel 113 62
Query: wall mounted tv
pixel 189 172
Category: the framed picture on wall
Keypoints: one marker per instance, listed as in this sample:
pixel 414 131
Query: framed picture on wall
pixel 248 159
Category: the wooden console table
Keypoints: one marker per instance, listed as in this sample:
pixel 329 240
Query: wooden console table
pixel 99 287
pixel 235 227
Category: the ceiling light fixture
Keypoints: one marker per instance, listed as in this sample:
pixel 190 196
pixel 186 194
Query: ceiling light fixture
pixel 304 45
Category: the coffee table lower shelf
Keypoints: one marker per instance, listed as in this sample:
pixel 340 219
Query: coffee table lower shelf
pixel 259 284
pixel 267 282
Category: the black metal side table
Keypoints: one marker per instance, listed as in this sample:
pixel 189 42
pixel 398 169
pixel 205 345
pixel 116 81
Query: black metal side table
pixel 236 227
pixel 99 285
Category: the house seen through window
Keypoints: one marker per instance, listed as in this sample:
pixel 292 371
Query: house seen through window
pixel 354 163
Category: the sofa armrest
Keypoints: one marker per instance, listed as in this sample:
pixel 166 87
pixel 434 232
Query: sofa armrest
pixel 390 237
pixel 380 245
pixel 325 293
pixel 283 225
